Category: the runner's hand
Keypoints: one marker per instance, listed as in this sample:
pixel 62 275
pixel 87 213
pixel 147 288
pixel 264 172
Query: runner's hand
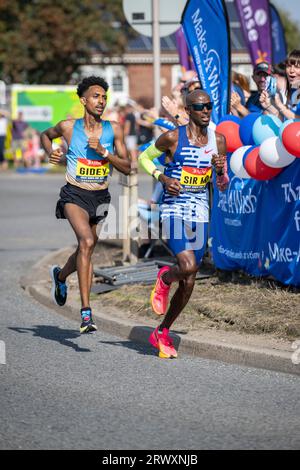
pixel 93 143
pixel 218 161
pixel 56 156
pixel 172 185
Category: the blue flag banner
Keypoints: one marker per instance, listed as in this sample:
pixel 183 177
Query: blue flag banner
pixel 256 226
pixel 256 27
pixel 206 29
pixel 279 48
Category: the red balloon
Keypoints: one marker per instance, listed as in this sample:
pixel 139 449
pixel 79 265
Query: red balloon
pixel 230 131
pixel 291 138
pixel 256 168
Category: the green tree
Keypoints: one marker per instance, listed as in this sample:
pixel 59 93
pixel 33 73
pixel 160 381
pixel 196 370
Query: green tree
pixel 292 31
pixel 46 41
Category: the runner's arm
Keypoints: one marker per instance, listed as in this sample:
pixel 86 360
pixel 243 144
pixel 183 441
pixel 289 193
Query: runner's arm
pixel 220 163
pixel 120 161
pixel 167 142
pixel 60 130
pixel 146 160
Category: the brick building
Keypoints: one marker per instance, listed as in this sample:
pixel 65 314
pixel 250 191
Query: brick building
pixel 131 75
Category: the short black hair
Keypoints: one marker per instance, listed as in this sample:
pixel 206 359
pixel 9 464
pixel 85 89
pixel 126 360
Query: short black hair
pixel 91 81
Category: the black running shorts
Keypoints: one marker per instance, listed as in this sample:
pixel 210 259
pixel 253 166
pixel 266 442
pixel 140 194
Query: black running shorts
pixel 95 203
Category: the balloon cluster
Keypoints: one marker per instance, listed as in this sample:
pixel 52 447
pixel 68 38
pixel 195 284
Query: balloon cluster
pixel 261 145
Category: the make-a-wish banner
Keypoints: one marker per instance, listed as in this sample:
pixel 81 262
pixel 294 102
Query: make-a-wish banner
pixel 206 29
pixel 255 226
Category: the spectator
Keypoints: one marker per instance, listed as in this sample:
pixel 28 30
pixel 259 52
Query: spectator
pixel 130 131
pixel 145 128
pixel 122 115
pixel 112 114
pixel 186 77
pixel 3 131
pixel 18 129
pixel 240 85
pixel 253 105
pixel 176 109
pixel 189 86
pixel 32 148
pixel 281 81
pixel 290 109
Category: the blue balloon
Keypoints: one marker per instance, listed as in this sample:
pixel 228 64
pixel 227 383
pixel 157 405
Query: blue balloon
pixel 230 117
pixel 246 127
pixel 284 124
pixel 264 127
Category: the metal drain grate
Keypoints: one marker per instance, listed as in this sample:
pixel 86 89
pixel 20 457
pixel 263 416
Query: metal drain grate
pixel 142 272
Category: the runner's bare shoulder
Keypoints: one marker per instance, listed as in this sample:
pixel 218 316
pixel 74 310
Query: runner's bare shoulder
pixel 117 128
pixel 65 127
pixel 168 140
pixel 66 124
pixel 115 125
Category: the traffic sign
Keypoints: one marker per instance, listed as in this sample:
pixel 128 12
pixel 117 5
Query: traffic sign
pixel 139 15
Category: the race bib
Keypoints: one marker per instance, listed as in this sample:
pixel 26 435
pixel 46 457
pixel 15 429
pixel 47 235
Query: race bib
pixel 92 171
pixel 195 179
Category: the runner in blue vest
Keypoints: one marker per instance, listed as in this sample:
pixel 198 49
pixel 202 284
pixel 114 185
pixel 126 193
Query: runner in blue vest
pixel 191 153
pixel 84 200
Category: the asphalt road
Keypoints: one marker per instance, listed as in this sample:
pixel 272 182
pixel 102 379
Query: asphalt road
pixel 60 390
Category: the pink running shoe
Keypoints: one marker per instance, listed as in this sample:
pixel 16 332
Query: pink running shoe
pixel 160 294
pixel 163 342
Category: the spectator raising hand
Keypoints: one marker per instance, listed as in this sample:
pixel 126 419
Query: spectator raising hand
pixel 169 105
pixel 236 105
pixel 174 111
pixel 265 99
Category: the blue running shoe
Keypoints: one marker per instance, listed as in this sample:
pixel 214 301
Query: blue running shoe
pixel 87 325
pixel 59 289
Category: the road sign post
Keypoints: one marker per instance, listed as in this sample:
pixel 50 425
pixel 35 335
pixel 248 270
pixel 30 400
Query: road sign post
pixel 153 18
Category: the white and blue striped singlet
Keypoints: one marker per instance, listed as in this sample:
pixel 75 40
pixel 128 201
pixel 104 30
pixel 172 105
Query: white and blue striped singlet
pixel 191 166
pixel 85 167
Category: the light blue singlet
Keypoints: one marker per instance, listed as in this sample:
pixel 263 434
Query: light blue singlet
pixel 84 164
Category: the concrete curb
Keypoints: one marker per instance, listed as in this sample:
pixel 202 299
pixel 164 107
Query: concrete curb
pixel 217 348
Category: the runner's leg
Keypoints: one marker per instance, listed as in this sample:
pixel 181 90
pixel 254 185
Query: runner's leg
pixel 70 266
pixel 79 220
pixel 95 236
pixel 185 272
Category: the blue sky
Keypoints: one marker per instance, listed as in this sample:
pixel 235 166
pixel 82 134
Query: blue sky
pixel 291 6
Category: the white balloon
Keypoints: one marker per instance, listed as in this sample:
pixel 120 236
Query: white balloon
pixel 273 153
pixel 236 162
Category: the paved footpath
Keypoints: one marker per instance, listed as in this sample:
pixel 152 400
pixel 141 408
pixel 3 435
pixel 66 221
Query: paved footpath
pixel 61 390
